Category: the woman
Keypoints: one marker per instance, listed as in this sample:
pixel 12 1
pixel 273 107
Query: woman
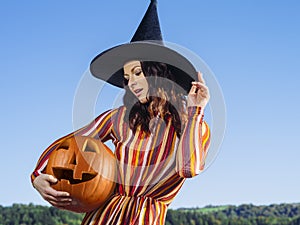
pixel 160 138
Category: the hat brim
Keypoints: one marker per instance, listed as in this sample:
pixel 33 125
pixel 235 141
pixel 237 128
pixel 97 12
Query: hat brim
pixel 108 65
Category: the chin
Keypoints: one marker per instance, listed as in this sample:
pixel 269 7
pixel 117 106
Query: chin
pixel 144 100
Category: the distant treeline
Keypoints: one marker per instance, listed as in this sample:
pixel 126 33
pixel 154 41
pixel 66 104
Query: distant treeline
pixel 247 214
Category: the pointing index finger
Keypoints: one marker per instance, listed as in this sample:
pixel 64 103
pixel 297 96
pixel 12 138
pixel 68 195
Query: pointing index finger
pixel 200 78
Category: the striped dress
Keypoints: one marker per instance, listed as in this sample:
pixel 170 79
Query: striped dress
pixel 151 168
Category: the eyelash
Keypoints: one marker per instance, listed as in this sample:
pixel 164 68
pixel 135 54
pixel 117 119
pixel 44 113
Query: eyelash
pixel 138 72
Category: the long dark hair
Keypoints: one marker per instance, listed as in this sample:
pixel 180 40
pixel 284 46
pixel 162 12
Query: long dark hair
pixel 165 99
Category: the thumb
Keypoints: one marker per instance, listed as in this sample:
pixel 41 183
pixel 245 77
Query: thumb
pixel 52 179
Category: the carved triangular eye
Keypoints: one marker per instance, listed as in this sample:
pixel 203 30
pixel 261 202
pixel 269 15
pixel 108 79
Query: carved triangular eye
pixel 65 145
pixel 90 146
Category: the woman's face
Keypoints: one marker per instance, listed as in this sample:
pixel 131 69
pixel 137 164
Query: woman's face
pixel 137 82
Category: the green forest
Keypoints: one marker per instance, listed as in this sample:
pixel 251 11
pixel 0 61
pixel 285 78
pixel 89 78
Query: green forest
pixel 246 214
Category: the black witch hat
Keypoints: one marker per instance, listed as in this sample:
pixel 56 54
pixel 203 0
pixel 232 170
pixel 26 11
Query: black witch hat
pixel 145 45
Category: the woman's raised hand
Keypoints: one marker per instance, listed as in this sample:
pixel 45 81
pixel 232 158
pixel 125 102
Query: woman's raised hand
pixel 199 93
pixel 58 199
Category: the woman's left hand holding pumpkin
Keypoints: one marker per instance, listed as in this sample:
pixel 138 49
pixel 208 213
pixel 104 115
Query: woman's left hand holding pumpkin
pixel 199 93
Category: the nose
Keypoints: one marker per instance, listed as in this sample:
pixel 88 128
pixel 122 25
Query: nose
pixel 132 81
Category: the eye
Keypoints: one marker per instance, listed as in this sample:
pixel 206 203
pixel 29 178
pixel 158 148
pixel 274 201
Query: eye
pixel 126 77
pixel 137 72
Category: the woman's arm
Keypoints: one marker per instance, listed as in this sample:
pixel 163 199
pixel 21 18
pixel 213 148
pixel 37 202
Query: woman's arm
pixel 193 144
pixel 195 139
pixel 100 128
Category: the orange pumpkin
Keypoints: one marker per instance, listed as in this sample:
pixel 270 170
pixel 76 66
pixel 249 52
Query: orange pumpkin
pixel 85 168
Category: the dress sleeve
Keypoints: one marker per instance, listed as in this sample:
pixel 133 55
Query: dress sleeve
pixel 193 144
pixel 101 128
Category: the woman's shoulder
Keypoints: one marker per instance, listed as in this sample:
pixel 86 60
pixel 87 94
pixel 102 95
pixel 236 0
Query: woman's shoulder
pixel 114 112
pixel 119 109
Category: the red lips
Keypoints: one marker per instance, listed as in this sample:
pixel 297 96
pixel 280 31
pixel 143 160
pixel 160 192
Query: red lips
pixel 138 91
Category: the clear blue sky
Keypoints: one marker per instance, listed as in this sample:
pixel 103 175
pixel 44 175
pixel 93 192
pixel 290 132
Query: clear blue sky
pixel 253 48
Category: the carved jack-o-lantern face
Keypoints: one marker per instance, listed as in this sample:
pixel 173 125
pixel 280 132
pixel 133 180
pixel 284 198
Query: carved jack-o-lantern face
pixel 85 168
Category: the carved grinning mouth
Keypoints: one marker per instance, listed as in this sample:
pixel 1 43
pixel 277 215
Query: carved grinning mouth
pixel 67 174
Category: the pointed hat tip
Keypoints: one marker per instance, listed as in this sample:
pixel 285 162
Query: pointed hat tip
pixel 153 2
pixel 149 28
